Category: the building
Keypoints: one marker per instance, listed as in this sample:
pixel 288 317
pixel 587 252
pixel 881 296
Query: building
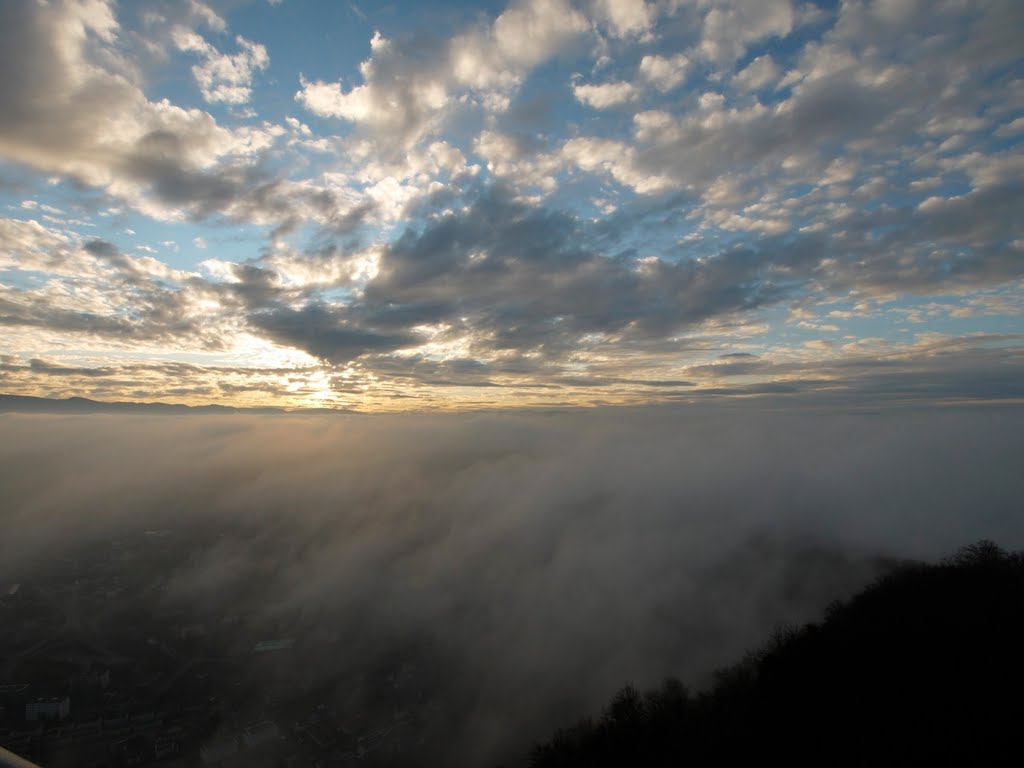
pixel 49 708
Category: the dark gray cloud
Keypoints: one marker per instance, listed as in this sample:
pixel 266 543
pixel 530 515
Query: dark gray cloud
pixel 324 334
pixel 525 291
pixel 529 276
pixel 979 368
pixel 151 313
pixel 515 278
pixel 50 369
pixel 156 315
pixel 166 383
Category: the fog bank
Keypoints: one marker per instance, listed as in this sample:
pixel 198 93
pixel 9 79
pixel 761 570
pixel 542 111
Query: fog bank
pixel 541 559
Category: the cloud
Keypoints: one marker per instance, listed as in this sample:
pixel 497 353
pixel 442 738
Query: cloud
pixel 604 95
pixel 97 126
pixel 759 73
pixel 52 369
pixel 223 77
pixel 625 17
pixel 94 290
pixel 521 291
pixel 976 368
pixel 664 72
pixel 407 86
pixel 324 333
pixel 198 10
pixel 660 72
pixel 502 280
pixel 524 277
pixel 526 34
pixel 518 159
pixel 729 27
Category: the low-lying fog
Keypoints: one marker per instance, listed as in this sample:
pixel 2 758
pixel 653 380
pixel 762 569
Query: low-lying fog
pixel 543 559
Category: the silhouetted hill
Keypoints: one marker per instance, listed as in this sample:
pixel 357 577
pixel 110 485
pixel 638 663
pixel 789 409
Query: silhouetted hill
pixel 26 404
pixel 925 667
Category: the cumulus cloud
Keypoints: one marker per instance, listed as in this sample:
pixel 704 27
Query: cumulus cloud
pixel 664 72
pixel 730 26
pixel 604 95
pixel 759 73
pixel 399 96
pixel 625 17
pixel 751 161
pixel 507 277
pixel 98 292
pixel 223 77
pixel 519 159
pixel 97 126
pixel 325 334
pixel 406 86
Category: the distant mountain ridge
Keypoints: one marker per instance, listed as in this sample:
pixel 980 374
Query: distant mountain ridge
pixel 28 404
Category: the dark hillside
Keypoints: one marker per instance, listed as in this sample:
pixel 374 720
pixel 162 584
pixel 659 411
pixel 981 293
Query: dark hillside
pixel 925 667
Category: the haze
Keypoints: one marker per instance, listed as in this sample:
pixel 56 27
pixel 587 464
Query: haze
pixel 532 562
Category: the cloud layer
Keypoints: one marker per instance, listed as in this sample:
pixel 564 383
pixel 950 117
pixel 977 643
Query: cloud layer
pixel 535 562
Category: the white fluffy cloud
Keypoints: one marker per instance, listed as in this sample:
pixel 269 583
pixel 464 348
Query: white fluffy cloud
pixel 664 72
pixel 731 25
pixel 223 77
pixel 404 94
pixel 759 73
pixel 604 95
pixel 625 17
pixel 512 159
pixel 97 124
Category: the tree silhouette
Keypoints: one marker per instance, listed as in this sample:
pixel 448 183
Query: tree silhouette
pixel 924 667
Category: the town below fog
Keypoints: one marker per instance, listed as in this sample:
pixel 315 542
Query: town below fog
pixel 99 668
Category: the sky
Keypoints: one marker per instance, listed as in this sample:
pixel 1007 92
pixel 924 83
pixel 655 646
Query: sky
pixel 427 206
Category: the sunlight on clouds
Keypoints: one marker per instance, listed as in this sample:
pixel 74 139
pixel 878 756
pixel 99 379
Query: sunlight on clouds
pixel 664 73
pixel 223 77
pixel 554 201
pixel 604 95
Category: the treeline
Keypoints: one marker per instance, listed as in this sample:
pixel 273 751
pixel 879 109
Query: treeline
pixel 924 667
